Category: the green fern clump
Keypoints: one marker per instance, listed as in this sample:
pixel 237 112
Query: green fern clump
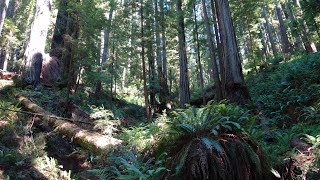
pixel 210 143
pixel 127 164
pixel 143 138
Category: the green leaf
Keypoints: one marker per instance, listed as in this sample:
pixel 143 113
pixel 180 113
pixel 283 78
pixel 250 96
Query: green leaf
pixel 237 125
pixel 212 144
pixel 214 132
pixel 189 128
pixel 182 158
pixel 227 127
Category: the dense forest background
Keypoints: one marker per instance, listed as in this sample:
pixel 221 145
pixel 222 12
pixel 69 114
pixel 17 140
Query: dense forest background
pixel 159 89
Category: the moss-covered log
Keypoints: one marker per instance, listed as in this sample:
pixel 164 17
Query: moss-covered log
pixel 90 140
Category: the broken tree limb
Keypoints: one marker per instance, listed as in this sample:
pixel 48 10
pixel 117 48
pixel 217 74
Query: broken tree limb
pixel 90 140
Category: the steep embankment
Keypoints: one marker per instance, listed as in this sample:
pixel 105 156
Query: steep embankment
pixel 288 96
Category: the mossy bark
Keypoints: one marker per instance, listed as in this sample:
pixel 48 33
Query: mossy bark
pixel 90 140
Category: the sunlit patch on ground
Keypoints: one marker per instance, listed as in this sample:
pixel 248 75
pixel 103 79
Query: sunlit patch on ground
pixel 4 83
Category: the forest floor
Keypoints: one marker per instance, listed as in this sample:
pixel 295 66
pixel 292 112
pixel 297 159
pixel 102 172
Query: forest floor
pixel 289 105
pixel 28 151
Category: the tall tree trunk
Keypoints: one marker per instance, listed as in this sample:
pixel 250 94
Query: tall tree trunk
pixel 143 64
pixel 150 55
pixel 67 28
pixel 112 74
pixel 269 30
pixel 37 40
pixel 184 91
pixel 127 70
pixel 11 13
pixel 164 75
pixel 7 53
pixel 309 44
pixel 218 39
pixel 104 56
pixel 235 88
pixel 298 41
pixel 264 41
pixel 5 5
pixel 106 35
pixel 60 27
pixel 217 82
pixel 162 80
pixel 196 34
pixel 286 45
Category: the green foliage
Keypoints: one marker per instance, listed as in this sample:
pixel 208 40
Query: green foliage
pixel 142 137
pixel 289 92
pixel 311 13
pixel 208 141
pixel 311 113
pixel 132 166
pixel 213 118
pixel 6 114
pixel 199 142
pixel 49 166
pixel 314 140
pixel 104 120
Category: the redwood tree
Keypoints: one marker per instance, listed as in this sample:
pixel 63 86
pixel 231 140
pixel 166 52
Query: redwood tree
pixel 145 90
pixel 217 82
pixel 234 87
pixel 5 5
pixel 184 79
pixel 37 39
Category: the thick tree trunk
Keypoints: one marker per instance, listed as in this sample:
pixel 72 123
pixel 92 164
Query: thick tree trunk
pixel 150 55
pixel 269 30
pixel 163 41
pixel 213 59
pixel 184 92
pixel 104 55
pixel 5 5
pixel 196 34
pixel 92 141
pixel 37 40
pixel 60 27
pixel 218 40
pixel 106 36
pixel 235 88
pixel 162 81
pixel 164 91
pixel 286 45
pixel 127 68
pixel 143 64
pixel 67 27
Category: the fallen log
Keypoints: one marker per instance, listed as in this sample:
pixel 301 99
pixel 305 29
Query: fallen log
pixel 92 141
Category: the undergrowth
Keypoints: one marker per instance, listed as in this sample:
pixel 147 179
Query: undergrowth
pixel 290 98
pixel 191 144
pixel 22 150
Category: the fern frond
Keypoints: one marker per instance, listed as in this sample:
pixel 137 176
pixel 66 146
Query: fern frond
pixel 212 144
pixel 186 128
pixel 182 158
